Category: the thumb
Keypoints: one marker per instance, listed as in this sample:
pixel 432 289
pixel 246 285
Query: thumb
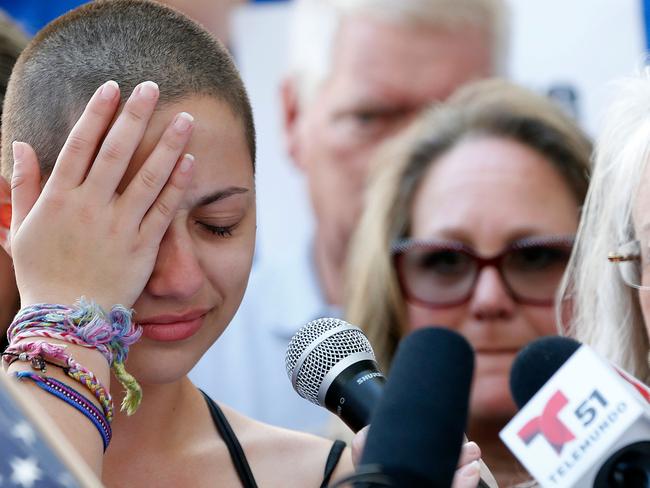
pixel 25 183
pixel 467 476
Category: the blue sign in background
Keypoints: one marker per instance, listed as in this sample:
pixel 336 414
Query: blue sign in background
pixel 32 15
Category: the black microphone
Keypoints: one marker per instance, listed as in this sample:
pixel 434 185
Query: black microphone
pixel 598 434
pixel 331 363
pixel 536 363
pixel 416 433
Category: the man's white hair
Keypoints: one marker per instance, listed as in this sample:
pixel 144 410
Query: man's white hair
pixel 316 22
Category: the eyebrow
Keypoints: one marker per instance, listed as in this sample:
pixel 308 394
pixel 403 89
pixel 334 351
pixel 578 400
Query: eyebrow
pixel 220 195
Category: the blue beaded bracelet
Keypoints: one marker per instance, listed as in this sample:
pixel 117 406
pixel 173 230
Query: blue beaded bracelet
pixel 73 398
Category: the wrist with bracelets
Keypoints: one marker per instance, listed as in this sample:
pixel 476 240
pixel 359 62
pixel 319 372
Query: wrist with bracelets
pixel 86 325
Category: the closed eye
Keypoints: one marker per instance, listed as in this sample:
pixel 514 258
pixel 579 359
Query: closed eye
pixel 220 231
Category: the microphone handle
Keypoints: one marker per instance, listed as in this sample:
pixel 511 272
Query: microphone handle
pixel 355 392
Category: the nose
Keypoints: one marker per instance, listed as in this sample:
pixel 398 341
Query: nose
pixel 491 300
pixel 177 272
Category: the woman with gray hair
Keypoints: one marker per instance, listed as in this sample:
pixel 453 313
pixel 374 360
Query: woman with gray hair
pixel 607 282
pixel 468 224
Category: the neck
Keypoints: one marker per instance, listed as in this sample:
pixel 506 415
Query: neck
pixel 159 420
pixel 330 255
pixel 503 465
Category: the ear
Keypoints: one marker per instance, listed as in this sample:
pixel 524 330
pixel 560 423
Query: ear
pixel 291 118
pixel 5 214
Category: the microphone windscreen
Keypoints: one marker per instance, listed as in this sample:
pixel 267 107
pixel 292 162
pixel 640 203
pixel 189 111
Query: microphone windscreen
pixel 417 430
pixel 321 349
pixel 536 363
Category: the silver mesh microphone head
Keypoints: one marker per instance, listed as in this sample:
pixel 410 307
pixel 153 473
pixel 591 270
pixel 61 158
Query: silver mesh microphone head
pixel 319 351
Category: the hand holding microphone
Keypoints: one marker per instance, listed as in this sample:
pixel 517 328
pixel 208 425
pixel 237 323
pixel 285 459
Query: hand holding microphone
pixel 331 364
pixel 470 473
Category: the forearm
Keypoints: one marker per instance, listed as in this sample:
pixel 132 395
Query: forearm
pixel 79 431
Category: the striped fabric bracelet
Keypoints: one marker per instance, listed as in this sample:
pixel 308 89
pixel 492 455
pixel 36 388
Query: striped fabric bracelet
pixel 73 398
pixel 40 354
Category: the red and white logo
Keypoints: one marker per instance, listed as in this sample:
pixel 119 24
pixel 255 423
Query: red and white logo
pixel 548 425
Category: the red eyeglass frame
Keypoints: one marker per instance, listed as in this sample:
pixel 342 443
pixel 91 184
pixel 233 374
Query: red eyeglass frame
pixel 401 246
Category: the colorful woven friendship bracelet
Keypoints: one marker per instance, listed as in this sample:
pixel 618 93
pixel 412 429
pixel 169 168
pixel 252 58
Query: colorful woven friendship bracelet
pixel 39 354
pixel 34 328
pixel 73 398
pixel 86 325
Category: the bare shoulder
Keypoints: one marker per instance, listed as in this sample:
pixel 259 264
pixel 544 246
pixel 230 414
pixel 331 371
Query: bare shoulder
pixel 278 456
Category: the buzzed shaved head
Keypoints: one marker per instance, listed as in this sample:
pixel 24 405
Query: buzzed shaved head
pixel 128 41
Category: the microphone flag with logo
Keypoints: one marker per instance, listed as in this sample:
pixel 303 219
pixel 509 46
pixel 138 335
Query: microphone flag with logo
pixel 581 423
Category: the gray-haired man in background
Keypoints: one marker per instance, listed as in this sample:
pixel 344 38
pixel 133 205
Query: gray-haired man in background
pixel 360 70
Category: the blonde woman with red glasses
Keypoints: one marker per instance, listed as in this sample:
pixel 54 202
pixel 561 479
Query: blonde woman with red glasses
pixel 469 224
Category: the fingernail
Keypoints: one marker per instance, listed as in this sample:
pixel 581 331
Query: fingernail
pixel 18 150
pixel 148 89
pixel 186 163
pixel 470 470
pixel 109 90
pixel 183 122
pixel 472 449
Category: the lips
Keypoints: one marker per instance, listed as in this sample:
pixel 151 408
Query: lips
pixel 495 350
pixel 169 328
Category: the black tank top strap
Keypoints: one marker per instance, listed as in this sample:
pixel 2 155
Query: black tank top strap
pixel 332 460
pixel 234 447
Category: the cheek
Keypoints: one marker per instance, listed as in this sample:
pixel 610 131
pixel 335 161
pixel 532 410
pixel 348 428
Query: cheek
pixel 541 320
pixel 227 268
pixel 419 317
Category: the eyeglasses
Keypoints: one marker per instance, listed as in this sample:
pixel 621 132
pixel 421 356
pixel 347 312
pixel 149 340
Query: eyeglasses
pixel 441 274
pixel 629 259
